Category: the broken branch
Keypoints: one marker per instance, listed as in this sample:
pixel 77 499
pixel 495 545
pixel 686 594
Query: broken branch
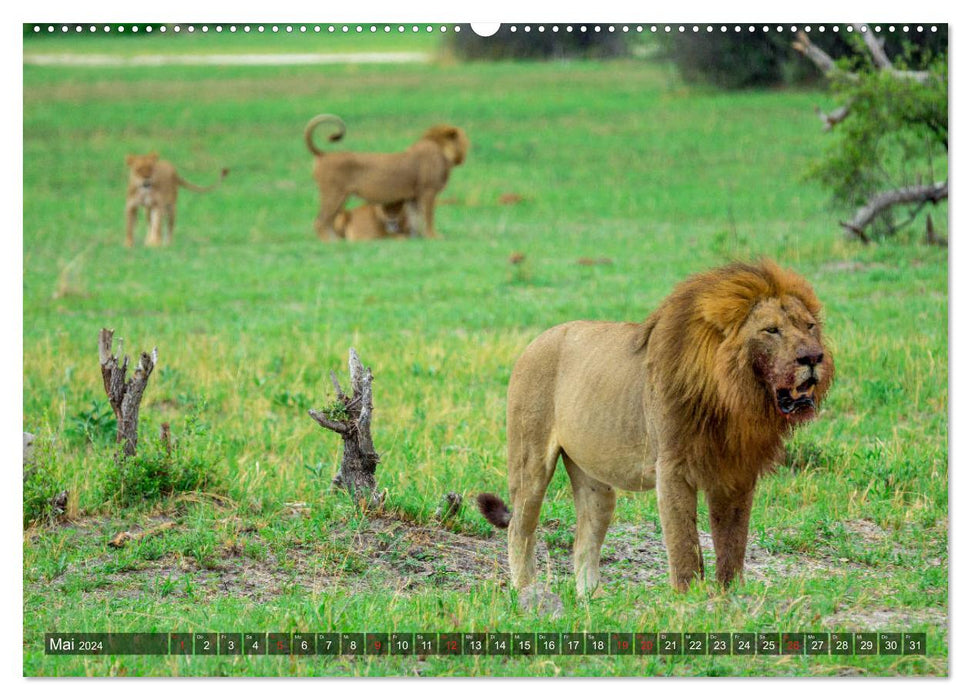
pixel 913 194
pixel 350 417
pixel 124 395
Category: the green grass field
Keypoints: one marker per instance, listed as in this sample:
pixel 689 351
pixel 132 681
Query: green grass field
pixel 250 312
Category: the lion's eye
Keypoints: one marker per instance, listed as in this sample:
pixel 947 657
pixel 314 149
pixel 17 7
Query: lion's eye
pixel 811 326
pixel 772 329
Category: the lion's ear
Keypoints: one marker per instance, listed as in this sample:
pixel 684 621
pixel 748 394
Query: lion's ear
pixel 153 156
pixel 129 159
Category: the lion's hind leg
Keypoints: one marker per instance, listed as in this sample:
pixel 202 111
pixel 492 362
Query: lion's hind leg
pixel 530 470
pixel 330 206
pixel 595 502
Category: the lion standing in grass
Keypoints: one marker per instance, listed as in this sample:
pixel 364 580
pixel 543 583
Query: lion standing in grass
pixel 154 184
pixel 699 397
pixel 418 173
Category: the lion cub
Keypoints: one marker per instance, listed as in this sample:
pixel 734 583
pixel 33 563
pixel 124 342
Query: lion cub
pixel 154 184
pixel 371 221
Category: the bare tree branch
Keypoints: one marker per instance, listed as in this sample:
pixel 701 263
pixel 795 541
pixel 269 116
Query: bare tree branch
pixel 880 57
pixel 322 418
pixel 913 194
pixel 820 58
pixel 831 119
pixel 804 45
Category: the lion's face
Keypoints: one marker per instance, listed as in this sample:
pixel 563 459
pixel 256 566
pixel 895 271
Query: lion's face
pixel 452 140
pixel 142 167
pixel 784 348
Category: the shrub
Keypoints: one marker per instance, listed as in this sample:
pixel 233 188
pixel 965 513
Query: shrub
pixel 40 489
pixel 96 424
pixel 160 470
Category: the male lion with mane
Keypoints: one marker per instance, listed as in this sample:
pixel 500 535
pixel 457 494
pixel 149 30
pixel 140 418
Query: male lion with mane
pixel 417 173
pixel 698 397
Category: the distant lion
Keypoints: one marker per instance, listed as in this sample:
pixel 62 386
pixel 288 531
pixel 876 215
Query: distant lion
pixel 418 173
pixel 371 221
pixel 698 397
pixel 154 184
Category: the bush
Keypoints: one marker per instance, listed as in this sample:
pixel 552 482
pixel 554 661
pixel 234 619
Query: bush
pixel 160 470
pixel 96 424
pixel 895 135
pixel 548 44
pixel 40 489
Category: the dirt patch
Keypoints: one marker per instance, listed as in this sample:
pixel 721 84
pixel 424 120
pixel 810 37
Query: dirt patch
pixel 886 619
pixel 637 553
pixel 387 551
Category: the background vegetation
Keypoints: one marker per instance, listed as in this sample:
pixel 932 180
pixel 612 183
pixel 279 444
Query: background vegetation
pixel 609 181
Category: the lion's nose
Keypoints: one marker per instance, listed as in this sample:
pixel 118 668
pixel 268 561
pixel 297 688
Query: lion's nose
pixel 810 358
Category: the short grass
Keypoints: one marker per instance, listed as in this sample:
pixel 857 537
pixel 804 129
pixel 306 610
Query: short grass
pixel 616 161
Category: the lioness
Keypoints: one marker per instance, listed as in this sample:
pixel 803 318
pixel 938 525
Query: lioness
pixel 370 221
pixel 697 397
pixel 418 173
pixel 154 184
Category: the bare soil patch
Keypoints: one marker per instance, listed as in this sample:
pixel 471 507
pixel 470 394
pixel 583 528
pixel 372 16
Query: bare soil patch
pixel 390 552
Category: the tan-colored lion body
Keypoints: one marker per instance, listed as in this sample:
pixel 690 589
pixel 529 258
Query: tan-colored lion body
pixel 418 173
pixel 154 184
pixel 697 398
pixel 368 222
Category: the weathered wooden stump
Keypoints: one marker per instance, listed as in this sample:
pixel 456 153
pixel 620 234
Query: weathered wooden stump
pixel 124 395
pixel 350 417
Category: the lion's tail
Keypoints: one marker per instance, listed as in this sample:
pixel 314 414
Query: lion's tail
pixel 196 188
pixel 494 510
pixel 308 132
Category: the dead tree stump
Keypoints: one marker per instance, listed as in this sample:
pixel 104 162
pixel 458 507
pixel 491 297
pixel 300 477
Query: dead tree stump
pixel 350 417
pixel 124 395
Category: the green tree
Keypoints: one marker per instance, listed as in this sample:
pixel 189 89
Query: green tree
pixel 890 153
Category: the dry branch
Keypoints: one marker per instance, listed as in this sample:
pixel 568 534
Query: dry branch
pixel 820 58
pixel 882 62
pixel 912 194
pixel 124 395
pixel 831 119
pixel 350 417
pixel 122 538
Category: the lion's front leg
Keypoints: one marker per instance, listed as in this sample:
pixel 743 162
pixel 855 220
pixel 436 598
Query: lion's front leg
pixel 426 202
pixel 729 514
pixel 154 227
pixel 131 217
pixel 170 222
pixel 677 503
